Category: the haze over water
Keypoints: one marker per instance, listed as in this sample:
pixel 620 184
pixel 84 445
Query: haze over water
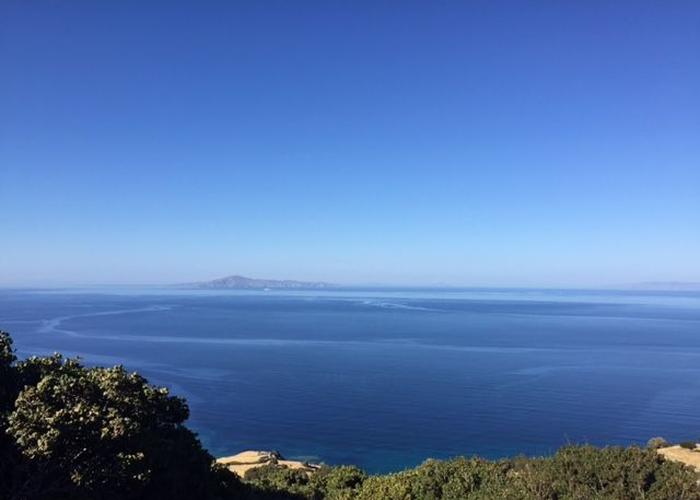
pixel 387 378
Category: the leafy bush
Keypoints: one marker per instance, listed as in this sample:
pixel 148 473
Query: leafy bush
pixel 8 377
pixel 326 483
pixel 9 456
pixel 455 479
pixel 273 480
pixel 689 445
pixel 105 430
pixel 614 472
pixel 657 442
pixel 83 433
pixel 575 472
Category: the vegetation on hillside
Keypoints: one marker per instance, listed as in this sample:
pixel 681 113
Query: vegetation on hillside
pixel 73 432
pixel 575 472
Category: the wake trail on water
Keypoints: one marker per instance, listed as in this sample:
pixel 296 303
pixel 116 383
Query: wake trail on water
pixel 54 325
pixel 396 305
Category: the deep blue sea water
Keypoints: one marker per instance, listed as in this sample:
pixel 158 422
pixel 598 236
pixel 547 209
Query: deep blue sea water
pixel 386 379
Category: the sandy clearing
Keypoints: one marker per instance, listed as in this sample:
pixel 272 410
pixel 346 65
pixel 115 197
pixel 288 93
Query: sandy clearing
pixel 251 459
pixel 683 455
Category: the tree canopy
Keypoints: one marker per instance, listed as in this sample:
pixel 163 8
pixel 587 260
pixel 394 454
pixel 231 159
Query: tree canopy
pixel 79 432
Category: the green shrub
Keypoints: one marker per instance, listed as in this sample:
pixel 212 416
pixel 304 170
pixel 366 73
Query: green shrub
pixel 326 483
pixel 104 433
pixel 336 481
pixel 575 472
pixel 280 482
pixel 690 445
pixel 9 457
pixel 657 442
pixel 459 478
pixel 613 472
pixel 8 376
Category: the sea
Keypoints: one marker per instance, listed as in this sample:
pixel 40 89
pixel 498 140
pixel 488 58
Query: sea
pixel 387 378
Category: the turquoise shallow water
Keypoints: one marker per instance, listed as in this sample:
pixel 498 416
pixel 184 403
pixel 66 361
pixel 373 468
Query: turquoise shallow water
pixel 386 378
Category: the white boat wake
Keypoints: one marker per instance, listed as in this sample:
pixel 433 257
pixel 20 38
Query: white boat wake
pixel 54 325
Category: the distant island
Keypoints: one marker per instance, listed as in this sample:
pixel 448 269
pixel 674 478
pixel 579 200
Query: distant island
pixel 236 282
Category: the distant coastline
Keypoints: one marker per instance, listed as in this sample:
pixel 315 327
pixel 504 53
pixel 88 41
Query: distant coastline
pixel 237 282
pixel 240 282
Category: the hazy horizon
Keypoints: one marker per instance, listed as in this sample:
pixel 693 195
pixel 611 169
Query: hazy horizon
pixel 678 286
pixel 451 144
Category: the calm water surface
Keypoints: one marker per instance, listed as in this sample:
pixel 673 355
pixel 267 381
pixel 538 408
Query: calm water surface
pixel 385 379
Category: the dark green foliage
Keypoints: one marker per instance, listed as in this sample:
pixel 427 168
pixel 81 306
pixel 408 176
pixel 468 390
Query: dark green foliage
pixel 97 433
pixel 327 483
pixel 459 478
pixel 276 481
pixel 657 442
pixel 575 472
pixel 8 377
pixel 9 456
pixel 613 472
pixel 31 370
pixel 338 481
pixel 7 354
pixel 689 445
pixel 102 430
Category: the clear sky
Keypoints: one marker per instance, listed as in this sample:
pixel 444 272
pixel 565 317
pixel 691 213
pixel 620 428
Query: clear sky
pixel 465 143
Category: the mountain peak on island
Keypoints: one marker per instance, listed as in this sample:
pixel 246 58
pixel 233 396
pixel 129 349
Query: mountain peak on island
pixel 244 283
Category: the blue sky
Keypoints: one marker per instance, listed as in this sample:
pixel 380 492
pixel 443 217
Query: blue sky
pixel 463 143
